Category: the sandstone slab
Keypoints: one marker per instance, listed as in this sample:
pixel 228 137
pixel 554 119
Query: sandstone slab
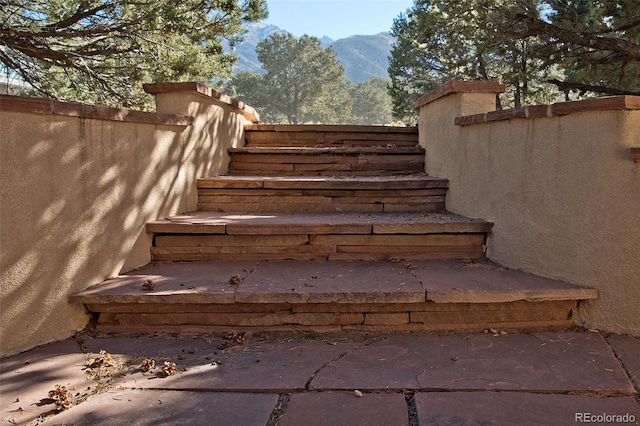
pixel 171 282
pixel 330 282
pixel 27 378
pixel 482 282
pixel 542 362
pixel 509 408
pixel 345 409
pixel 627 349
pixel 224 364
pixel 144 407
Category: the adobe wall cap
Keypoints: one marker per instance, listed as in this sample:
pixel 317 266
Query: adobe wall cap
pixel 607 103
pixel 244 109
pixel 34 105
pixel 460 86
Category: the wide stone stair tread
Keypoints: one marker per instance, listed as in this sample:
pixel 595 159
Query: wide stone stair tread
pixel 205 222
pixel 426 295
pixel 331 282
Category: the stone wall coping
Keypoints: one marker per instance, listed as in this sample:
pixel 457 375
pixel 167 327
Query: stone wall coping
pixel 460 86
pixel 71 109
pixel 244 109
pixel 609 103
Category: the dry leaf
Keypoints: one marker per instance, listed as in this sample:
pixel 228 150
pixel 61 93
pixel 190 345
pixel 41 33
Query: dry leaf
pixel 148 285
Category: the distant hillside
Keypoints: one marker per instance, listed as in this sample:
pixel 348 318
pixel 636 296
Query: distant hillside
pixel 246 51
pixel 363 57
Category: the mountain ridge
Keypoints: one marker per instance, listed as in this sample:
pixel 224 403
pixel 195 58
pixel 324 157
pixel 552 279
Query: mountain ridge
pixel 362 56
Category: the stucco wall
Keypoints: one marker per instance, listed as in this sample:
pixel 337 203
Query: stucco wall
pixel 78 184
pixel 559 185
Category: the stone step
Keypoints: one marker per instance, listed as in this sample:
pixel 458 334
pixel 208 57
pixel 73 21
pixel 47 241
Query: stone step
pixel 330 296
pixel 329 135
pixel 317 236
pixel 304 161
pixel 322 194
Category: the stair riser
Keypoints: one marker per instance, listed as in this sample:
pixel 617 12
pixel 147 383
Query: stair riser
pixel 364 317
pixel 430 207
pixel 329 172
pixel 251 165
pixel 325 186
pixel 351 160
pixel 295 201
pixel 401 138
pixel 317 247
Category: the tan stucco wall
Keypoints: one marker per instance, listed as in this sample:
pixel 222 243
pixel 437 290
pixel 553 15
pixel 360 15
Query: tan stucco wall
pixel 75 196
pixel 561 190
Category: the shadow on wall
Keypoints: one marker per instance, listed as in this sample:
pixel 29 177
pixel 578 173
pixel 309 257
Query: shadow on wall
pixel 78 186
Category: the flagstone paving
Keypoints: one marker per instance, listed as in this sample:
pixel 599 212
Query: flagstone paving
pixel 627 348
pixel 343 282
pixel 542 362
pixel 510 408
pixel 328 379
pixel 171 408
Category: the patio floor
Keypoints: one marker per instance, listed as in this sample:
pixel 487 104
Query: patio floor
pixel 329 379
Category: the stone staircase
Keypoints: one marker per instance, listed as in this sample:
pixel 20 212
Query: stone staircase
pixel 273 150
pixel 301 161
pixel 325 228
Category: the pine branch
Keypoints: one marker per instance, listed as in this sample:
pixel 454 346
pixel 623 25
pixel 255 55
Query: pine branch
pixel 536 26
pixel 569 85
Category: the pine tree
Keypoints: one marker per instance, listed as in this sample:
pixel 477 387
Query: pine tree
pixel 577 45
pixel 305 83
pixel 101 51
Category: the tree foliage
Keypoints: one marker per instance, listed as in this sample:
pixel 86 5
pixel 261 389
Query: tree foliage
pixel 302 78
pixel 103 50
pixel 303 82
pixel 371 103
pixel 413 71
pixel 527 44
pixel 597 43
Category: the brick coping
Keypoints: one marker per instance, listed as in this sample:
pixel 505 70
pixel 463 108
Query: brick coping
pixel 220 98
pixel 71 109
pixel 609 103
pixel 460 86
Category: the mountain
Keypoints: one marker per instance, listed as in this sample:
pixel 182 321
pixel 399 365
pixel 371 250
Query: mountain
pixel 363 56
pixel 246 51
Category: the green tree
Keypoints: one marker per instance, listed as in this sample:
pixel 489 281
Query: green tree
pixel 371 103
pixel 596 43
pixel 577 45
pixel 440 40
pixel 251 88
pixel 103 50
pixel 413 71
pixel 303 81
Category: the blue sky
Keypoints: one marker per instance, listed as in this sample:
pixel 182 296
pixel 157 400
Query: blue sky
pixel 335 18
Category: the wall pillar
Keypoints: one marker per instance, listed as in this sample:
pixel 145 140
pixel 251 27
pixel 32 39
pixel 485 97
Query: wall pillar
pixel 438 110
